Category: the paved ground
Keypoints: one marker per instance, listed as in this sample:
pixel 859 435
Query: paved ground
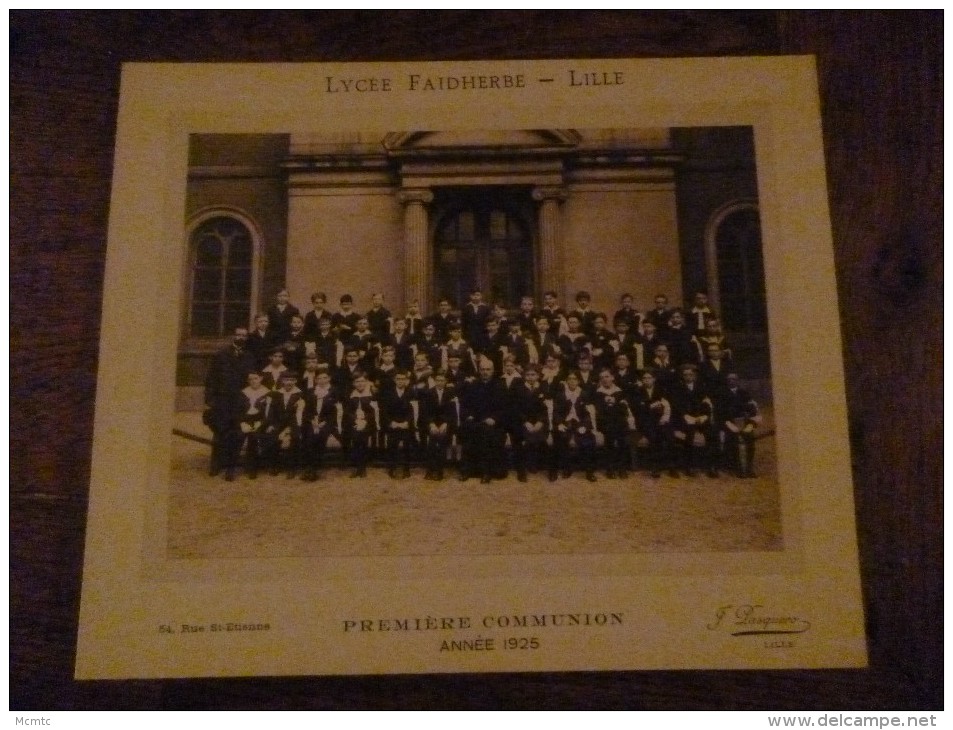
pixel 336 516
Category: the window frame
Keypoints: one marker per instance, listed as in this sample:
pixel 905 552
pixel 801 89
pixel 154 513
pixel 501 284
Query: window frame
pixel 202 343
pixel 715 220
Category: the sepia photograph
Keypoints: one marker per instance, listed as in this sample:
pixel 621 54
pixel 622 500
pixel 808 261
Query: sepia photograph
pixel 544 341
pixel 469 368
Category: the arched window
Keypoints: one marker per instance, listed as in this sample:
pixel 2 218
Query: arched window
pixel 736 268
pixel 483 246
pixel 222 289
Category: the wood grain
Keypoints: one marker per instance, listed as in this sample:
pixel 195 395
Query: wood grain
pixel 881 87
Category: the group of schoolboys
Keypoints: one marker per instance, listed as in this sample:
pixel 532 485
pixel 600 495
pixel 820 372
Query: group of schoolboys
pixel 562 389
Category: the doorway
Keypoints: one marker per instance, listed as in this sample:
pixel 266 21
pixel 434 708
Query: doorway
pixel 483 239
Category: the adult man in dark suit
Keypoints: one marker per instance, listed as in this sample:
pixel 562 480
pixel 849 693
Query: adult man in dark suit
pixel 482 406
pixel 227 375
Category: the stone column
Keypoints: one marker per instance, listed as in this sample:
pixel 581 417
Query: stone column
pixel 550 245
pixel 416 251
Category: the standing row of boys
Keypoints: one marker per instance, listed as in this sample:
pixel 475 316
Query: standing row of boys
pixel 564 390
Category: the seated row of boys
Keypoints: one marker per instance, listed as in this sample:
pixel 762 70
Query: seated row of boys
pixel 689 425
pixel 661 339
pixel 378 345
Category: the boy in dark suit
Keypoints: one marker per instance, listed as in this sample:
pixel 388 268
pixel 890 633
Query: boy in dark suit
pixel 512 423
pixel 399 423
pixel 280 314
pixel 429 344
pixel 653 416
pixel 442 320
pixel 533 408
pixel 261 341
pixel 378 317
pixel 692 411
pixel 439 421
pixel 318 312
pixel 344 321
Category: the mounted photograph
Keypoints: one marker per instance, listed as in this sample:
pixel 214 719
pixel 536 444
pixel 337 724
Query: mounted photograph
pixel 469 367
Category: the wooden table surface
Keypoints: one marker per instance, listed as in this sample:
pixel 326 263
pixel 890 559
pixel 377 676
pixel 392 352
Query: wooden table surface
pixel 881 89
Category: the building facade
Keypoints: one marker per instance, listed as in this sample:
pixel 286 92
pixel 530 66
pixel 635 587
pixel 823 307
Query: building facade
pixel 418 216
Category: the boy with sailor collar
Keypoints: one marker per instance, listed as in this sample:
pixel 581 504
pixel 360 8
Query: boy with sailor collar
pixel 283 421
pixel 573 430
pixel 323 416
pixel 271 373
pixel 361 423
pixel 254 410
pixel 614 420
